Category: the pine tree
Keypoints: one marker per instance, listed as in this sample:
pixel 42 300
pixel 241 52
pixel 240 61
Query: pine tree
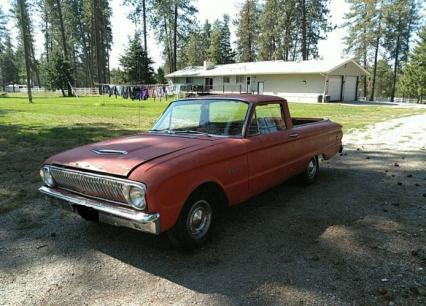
pixel 194 52
pixel 292 29
pixel 226 49
pixel 401 19
pixel 269 33
pixel 363 33
pixel 215 49
pixel 8 67
pixel 413 80
pixel 220 50
pixel 248 31
pixel 58 72
pixel 172 21
pixel 205 39
pixel 137 66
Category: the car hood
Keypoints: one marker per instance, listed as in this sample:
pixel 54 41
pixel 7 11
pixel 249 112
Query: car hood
pixel 121 155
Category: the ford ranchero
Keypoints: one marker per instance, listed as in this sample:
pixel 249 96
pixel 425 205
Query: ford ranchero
pixel 202 155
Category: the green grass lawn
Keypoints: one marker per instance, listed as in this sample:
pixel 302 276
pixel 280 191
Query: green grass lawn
pixel 29 133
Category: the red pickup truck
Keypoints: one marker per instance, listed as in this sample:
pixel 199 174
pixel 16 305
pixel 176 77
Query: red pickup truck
pixel 203 154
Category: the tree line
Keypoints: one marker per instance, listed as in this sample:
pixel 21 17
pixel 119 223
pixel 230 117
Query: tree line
pixel 380 35
pixel 78 40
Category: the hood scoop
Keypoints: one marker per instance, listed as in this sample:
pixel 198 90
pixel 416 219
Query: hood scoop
pixel 109 152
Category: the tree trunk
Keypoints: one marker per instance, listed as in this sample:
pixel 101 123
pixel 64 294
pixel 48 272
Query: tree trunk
pixel 395 69
pixel 98 48
pixel 304 42
pixel 64 41
pixel 376 53
pixel 175 38
pixel 144 26
pixel 46 34
pixel 26 48
pixel 168 47
pixel 34 66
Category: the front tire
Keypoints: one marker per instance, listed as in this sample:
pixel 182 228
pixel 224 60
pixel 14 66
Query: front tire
pixel 310 174
pixel 194 225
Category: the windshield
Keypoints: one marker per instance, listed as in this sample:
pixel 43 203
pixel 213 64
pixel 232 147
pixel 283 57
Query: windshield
pixel 212 117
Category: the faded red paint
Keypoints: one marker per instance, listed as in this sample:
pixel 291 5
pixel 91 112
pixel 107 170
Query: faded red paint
pixel 172 167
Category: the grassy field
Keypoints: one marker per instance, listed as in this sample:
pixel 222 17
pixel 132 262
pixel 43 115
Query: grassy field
pixel 29 133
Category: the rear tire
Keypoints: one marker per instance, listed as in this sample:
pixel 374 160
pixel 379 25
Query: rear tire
pixel 194 225
pixel 310 174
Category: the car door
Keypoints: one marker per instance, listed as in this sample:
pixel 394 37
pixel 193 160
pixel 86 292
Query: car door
pixel 268 140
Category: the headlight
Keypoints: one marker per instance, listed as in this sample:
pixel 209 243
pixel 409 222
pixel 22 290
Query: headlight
pixel 47 177
pixel 136 197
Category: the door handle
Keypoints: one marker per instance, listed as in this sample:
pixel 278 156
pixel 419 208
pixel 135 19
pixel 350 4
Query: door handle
pixel 294 135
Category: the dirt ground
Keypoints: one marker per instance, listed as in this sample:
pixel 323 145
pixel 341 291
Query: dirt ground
pixel 357 236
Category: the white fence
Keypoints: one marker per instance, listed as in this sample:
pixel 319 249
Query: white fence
pixel 387 99
pixel 83 91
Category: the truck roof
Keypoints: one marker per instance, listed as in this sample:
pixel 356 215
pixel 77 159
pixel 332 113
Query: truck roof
pixel 241 97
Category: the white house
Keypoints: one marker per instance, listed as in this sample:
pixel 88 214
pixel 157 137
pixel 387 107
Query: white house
pixel 302 81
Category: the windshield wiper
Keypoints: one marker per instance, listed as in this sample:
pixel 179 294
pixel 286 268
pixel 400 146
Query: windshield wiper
pixel 169 131
pixel 190 132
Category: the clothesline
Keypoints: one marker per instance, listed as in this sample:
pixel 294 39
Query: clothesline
pixel 129 85
pixel 138 92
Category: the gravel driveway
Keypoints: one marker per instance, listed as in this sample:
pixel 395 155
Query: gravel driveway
pixel 357 236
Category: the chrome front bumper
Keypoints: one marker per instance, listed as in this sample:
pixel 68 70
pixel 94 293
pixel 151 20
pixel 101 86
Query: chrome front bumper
pixel 108 212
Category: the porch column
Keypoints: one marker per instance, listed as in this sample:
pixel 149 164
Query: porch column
pixel 325 92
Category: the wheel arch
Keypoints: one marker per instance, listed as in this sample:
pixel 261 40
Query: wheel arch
pixel 214 189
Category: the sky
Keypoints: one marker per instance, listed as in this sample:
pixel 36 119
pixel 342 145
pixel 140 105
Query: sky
pixel 123 28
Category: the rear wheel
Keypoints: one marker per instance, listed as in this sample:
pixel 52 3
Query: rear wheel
pixel 311 172
pixel 195 222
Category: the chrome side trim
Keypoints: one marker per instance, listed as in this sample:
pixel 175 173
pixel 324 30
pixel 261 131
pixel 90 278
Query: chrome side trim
pixel 108 213
pixel 109 152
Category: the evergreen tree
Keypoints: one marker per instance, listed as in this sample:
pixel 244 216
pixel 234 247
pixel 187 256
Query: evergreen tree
pixel 363 34
pixel 137 66
pixel 8 67
pixel 220 51
pixel 401 18
pixel 215 49
pixel 58 72
pixel 194 53
pixel 292 29
pixel 269 36
pixel 172 21
pixel 413 81
pixel 4 32
pixel 226 49
pixel 384 78
pixel 206 33
pixel 248 31
pixel 160 76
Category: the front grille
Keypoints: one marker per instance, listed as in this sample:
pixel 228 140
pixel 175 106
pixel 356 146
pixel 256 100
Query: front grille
pixel 92 185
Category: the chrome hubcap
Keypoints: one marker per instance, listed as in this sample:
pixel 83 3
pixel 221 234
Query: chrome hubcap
pixel 199 219
pixel 312 167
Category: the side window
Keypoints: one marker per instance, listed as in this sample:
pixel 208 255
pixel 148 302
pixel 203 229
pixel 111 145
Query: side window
pixel 267 119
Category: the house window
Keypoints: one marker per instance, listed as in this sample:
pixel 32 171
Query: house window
pixel 239 79
pixel 209 83
pixel 226 79
pixel 188 81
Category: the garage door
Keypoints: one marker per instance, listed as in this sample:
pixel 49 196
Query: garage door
pixel 334 87
pixel 349 89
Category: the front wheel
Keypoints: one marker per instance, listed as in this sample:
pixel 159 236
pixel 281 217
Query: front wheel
pixel 195 222
pixel 311 172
